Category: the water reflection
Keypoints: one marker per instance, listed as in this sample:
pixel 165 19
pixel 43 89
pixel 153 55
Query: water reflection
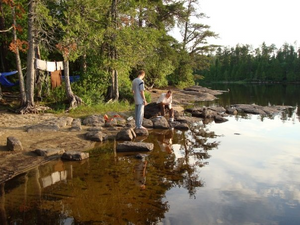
pixel 244 171
pixel 110 188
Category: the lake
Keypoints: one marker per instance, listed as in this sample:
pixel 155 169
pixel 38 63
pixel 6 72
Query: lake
pixel 244 171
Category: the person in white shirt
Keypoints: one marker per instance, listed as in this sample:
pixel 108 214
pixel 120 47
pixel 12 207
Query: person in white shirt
pixel 165 102
pixel 138 90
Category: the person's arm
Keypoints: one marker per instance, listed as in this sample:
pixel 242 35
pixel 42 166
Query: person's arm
pixel 144 98
pixel 161 98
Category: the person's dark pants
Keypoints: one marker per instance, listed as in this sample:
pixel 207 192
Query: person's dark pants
pixel 163 109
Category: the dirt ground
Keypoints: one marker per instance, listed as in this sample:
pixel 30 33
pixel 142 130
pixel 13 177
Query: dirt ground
pixel 13 163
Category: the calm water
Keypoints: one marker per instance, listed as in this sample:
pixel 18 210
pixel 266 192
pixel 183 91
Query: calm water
pixel 244 171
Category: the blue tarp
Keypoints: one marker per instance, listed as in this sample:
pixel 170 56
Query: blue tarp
pixel 72 78
pixel 4 81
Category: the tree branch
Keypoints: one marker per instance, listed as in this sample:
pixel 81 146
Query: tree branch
pixel 7 30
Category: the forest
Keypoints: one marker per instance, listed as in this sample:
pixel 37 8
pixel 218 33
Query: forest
pixel 245 64
pixel 102 42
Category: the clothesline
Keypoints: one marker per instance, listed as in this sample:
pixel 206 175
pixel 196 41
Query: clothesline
pixel 49 66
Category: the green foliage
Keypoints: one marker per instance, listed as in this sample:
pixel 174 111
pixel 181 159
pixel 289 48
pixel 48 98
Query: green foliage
pixel 92 86
pixel 56 99
pixel 101 108
pixel 264 64
pixel 148 96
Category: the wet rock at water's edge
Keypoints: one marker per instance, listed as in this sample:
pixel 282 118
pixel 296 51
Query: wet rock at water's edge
pixel 160 122
pixel 75 155
pixel 129 146
pixel 126 134
pixel 141 132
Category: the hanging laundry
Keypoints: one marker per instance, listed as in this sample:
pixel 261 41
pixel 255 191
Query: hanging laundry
pixel 60 65
pixel 56 79
pixel 51 66
pixel 41 64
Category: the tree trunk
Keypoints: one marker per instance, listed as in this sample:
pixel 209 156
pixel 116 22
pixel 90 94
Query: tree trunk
pixel 74 100
pixel 18 62
pixel 29 106
pixel 113 90
pixel 3 45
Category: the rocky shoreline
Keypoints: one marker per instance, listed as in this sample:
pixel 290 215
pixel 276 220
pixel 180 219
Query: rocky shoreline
pixel 27 141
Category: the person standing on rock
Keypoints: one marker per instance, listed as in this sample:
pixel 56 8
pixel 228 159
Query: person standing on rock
pixel 138 90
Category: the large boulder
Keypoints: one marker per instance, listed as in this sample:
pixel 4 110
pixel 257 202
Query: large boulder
pixel 151 110
pixel 129 146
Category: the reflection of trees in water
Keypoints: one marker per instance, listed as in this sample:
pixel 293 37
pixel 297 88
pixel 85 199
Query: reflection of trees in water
pixel 181 167
pixel 100 190
pixel 105 188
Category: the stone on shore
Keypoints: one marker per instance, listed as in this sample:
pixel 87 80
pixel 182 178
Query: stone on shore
pixel 49 152
pixel 129 146
pixel 95 135
pixel 75 155
pixel 126 135
pixel 76 125
pixel 94 120
pixel 14 144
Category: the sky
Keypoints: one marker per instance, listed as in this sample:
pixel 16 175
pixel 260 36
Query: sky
pixel 253 21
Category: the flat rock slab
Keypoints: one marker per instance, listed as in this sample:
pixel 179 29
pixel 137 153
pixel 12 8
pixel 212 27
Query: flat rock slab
pixel 129 146
pixel 49 152
pixel 75 155
pixel 42 128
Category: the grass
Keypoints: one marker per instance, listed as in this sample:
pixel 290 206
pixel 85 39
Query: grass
pixel 101 108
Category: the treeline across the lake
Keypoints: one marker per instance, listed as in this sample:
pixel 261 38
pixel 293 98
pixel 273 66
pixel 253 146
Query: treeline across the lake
pixel 264 64
pixel 104 42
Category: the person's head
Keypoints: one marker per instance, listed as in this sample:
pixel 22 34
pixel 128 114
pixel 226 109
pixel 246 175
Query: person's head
pixel 141 74
pixel 169 94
